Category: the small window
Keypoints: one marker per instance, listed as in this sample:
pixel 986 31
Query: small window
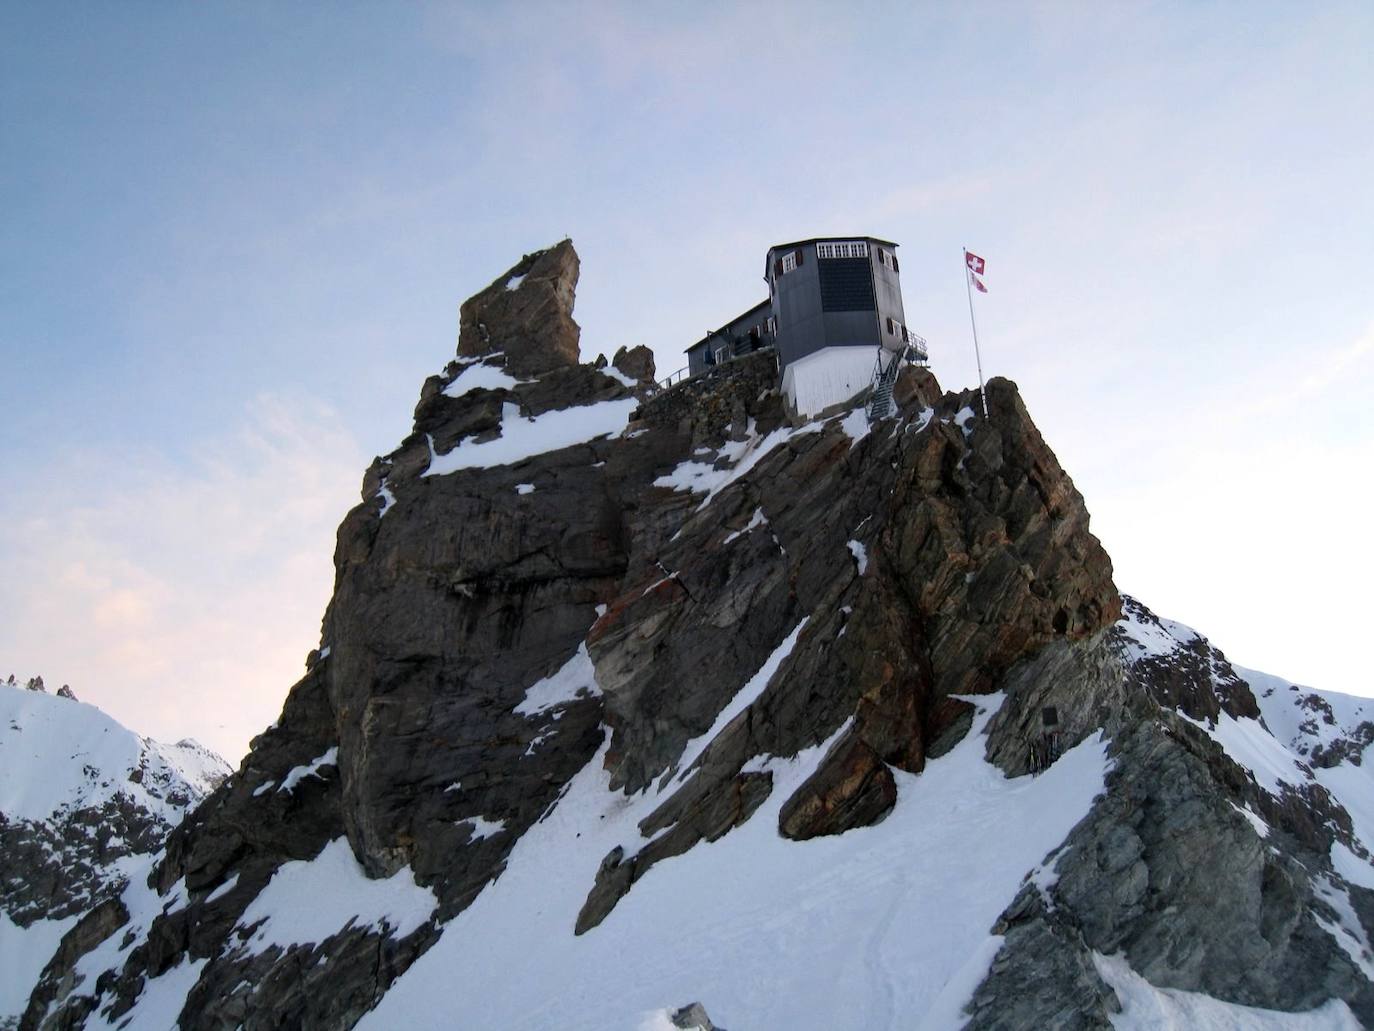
pixel 882 256
pixel 905 338
pixel 895 268
pixel 789 262
pixel 889 326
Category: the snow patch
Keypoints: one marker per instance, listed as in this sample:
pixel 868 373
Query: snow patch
pixel 524 488
pixel 223 890
pixel 483 828
pixel 755 521
pixel 312 769
pixel 744 697
pixel 575 679
pixel 523 438
pixel 388 499
pixel 482 377
pixel 307 901
pixel 860 554
pixel 1147 1008
pixel 855 424
pixel 1350 866
pixel 616 374
pixel 739 456
pixel 1248 743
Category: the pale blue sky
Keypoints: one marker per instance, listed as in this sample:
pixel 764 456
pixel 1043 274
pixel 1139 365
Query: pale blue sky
pixel 235 238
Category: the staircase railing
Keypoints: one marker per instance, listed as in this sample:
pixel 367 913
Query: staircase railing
pixel 884 377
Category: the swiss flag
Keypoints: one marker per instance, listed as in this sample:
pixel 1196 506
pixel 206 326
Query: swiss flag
pixel 975 264
pixel 977 283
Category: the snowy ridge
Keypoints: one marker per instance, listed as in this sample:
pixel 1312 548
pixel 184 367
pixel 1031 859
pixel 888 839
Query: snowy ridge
pixel 59 754
pixel 1303 737
pixel 83 801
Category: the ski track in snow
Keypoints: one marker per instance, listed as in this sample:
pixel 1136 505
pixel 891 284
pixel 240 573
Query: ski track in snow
pixel 881 927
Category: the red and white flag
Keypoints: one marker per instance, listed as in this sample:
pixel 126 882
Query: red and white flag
pixel 976 267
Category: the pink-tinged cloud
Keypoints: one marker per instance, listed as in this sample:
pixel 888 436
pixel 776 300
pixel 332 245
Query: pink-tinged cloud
pixel 181 599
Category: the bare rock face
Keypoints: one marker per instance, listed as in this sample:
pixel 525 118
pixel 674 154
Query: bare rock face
pixel 526 314
pixel 560 558
pixel 636 362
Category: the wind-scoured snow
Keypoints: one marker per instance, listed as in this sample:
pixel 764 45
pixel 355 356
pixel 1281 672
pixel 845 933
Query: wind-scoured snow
pixel 311 769
pixel 575 679
pixel 388 499
pixel 1147 1008
pixel 524 437
pixel 613 373
pixel 880 928
pixel 738 458
pixel 481 376
pixel 1248 743
pixel 856 425
pixel 743 698
pixel 755 521
pixel 860 554
pixel 482 827
pixel 307 901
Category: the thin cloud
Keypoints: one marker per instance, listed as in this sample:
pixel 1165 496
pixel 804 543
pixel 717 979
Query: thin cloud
pixel 182 600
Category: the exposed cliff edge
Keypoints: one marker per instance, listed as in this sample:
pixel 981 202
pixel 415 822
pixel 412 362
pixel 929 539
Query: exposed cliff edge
pixel 619 687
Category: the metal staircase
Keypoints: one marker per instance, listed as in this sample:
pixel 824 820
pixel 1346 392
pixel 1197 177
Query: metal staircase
pixel 885 370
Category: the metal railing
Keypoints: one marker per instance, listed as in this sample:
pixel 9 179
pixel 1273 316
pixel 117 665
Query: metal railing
pixel 675 378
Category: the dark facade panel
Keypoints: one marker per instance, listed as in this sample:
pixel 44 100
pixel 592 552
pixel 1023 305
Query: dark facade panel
pixel 846 284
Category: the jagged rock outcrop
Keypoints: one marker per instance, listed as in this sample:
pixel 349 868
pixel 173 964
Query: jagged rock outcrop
pixel 564 573
pixel 1205 877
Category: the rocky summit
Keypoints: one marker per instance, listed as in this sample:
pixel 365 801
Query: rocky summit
pixel 643 708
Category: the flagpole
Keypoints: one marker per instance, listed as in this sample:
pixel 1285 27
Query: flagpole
pixel 968 289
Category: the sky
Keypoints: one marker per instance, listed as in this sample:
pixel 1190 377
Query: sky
pixel 235 238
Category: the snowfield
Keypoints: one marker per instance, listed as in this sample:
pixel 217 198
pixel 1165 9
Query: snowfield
pixel 866 930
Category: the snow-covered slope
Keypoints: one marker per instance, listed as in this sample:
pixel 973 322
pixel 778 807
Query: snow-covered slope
pixel 83 801
pixel 880 927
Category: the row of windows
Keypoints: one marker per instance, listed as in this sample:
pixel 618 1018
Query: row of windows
pixel 847 249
